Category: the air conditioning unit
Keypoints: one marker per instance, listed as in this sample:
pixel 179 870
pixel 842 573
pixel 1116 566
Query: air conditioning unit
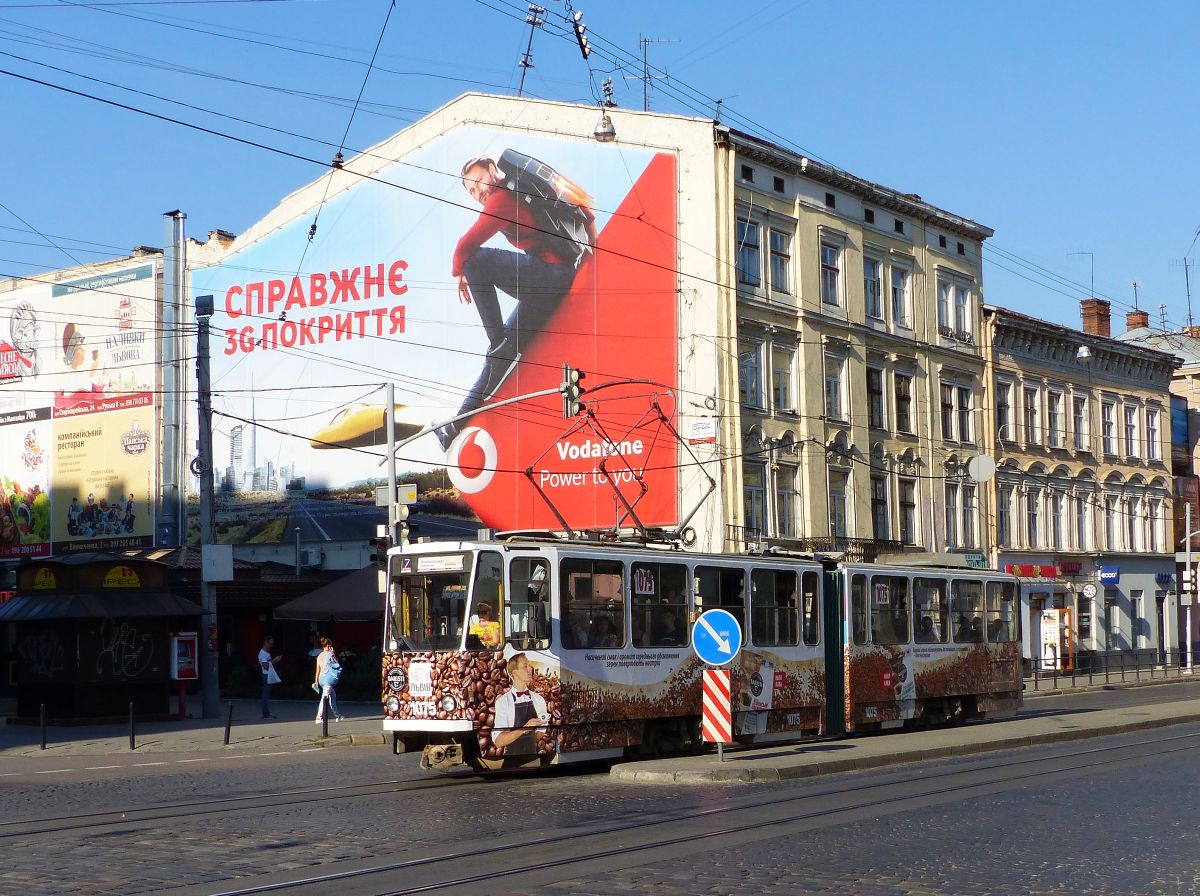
pixel 310 558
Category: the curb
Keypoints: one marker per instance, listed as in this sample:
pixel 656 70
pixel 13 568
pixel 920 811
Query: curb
pixel 350 740
pixel 631 774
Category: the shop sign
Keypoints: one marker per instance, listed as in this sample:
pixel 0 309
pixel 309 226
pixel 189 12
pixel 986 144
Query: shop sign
pixel 1032 570
pixel 43 579
pixel 975 560
pixel 122 577
pixel 1071 568
pixel 1110 575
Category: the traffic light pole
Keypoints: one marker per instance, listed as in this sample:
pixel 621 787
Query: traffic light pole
pixel 203 467
pixel 390 417
pixel 1189 577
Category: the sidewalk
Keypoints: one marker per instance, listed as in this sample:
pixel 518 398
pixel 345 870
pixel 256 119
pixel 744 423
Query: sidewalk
pixel 292 729
pixel 782 762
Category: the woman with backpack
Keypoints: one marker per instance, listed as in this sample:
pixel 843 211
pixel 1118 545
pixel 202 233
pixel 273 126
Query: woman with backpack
pixel 329 673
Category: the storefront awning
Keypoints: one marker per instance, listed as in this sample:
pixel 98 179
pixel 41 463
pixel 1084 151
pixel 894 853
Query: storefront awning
pixel 352 598
pixel 45 607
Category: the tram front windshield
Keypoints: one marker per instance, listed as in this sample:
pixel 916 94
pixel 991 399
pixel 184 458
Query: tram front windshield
pixel 427 604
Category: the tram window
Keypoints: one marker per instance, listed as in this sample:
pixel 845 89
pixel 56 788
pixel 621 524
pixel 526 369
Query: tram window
pixel 430 609
pixel 719 586
pixel 967 605
pixel 593 604
pixel 487 606
pixel 658 588
pixel 812 608
pixel 1001 608
pixel 773 607
pixel 930 611
pixel 527 613
pixel 858 607
pixel 889 609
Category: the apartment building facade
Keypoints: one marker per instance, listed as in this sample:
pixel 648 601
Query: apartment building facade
pixel 1082 491
pixel 860 371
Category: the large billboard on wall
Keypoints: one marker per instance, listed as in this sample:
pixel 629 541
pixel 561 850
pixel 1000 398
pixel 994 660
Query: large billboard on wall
pixel 467 274
pixel 78 416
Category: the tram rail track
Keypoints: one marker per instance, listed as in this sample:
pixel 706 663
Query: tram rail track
pixel 894 796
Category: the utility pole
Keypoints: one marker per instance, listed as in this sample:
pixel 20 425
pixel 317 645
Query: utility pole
pixel 203 467
pixel 390 422
pixel 1189 577
pixel 535 21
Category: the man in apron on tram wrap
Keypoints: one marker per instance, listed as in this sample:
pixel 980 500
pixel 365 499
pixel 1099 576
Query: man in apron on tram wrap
pixel 520 712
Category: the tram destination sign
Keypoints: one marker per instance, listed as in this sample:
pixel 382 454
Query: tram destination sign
pixel 716 637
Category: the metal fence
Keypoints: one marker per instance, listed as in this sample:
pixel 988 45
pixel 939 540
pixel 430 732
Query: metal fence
pixel 1100 667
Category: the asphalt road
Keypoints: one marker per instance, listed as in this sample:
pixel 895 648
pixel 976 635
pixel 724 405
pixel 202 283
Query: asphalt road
pixel 1111 815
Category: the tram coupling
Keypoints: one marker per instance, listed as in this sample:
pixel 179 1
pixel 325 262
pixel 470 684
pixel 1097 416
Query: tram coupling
pixel 442 757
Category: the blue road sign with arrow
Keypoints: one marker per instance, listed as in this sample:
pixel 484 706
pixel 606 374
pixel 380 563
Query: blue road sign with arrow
pixel 716 637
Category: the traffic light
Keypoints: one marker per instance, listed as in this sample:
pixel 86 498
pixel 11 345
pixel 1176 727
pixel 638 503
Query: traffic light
pixel 1189 580
pixel 402 523
pixel 572 389
pixel 380 545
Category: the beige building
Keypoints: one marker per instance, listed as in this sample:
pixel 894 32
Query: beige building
pixel 1082 493
pixel 859 364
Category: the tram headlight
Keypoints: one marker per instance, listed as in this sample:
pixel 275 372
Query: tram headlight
pixel 393 704
pixel 448 704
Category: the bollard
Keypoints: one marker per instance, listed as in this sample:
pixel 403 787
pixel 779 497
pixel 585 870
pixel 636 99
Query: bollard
pixel 132 746
pixel 228 723
pixel 324 717
pixel 42 715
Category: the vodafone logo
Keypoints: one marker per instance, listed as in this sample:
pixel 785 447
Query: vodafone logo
pixel 471 460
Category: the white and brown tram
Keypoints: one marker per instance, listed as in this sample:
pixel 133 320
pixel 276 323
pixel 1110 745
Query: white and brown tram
pixel 586 654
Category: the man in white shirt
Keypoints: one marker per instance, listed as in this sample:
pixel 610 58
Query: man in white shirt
pixel 266 663
pixel 520 712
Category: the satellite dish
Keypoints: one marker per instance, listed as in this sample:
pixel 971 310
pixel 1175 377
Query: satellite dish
pixel 981 467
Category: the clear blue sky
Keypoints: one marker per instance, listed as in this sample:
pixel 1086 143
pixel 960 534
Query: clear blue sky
pixel 1066 127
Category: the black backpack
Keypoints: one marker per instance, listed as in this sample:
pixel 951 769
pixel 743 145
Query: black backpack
pixel 554 201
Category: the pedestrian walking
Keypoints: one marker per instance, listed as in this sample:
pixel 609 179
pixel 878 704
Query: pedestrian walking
pixel 266 665
pixel 329 673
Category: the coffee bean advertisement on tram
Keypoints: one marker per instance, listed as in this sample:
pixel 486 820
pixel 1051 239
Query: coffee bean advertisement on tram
pixel 466 273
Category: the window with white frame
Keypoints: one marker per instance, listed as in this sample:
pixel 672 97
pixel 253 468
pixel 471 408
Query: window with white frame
pixel 1030 409
pixel 1054 511
pixel 967 534
pixel 835 387
pixel 908 511
pixel 838 524
pixel 872 286
pixel 956 412
pixel 1108 426
pixel 781 378
pixel 750 374
pixel 875 403
pixel 901 297
pixel 831 273
pixel 1055 424
pixel 1083 522
pixel 1033 523
pixel 880 512
pixel 1079 421
pixel 1004 494
pixel 962 312
pixel 785 500
pixel 1004 410
pixel 1133 529
pixel 754 495
pixel 945 293
pixel 1153 448
pixel 962 408
pixel 781 261
pixel 902 388
pixel 1131 433
pixel 951 515
pixel 1153 524
pixel 1111 530
pixel 749 253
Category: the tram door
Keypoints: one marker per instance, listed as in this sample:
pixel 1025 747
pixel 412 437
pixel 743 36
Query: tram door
pixel 835 664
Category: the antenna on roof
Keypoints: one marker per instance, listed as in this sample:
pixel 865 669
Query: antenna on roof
pixel 1162 317
pixel 1135 295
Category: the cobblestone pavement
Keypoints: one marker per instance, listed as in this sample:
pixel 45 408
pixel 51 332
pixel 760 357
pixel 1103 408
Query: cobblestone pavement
pixel 1123 830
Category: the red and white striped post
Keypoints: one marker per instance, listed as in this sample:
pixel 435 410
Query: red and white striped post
pixel 716 720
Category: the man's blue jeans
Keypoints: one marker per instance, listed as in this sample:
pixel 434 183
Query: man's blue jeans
pixel 538 286
pixel 266 697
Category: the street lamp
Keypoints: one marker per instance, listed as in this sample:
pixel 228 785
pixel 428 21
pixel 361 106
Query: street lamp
pixel 1188 584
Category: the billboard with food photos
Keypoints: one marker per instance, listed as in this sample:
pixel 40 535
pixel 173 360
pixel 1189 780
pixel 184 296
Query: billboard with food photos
pixel 78 415
pixel 468 273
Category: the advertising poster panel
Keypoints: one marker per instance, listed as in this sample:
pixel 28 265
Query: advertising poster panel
pixel 78 368
pixel 467 273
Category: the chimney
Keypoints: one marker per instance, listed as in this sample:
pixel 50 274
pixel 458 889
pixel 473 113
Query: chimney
pixel 1135 319
pixel 1096 317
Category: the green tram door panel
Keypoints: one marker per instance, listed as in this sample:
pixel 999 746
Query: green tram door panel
pixel 835 650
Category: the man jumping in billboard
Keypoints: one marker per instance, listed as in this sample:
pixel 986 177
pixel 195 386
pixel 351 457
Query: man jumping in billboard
pixel 550 221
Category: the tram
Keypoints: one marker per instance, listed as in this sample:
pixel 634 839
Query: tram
pixel 527 651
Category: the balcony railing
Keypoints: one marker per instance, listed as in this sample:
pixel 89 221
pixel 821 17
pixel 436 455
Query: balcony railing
pixel 864 550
